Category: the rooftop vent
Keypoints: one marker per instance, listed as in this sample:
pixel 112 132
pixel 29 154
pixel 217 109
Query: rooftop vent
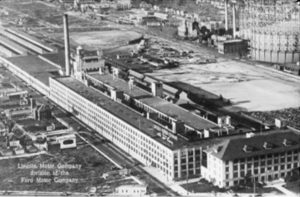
pixel 267 145
pixel 248 149
pixel 287 142
pixel 131 82
pixel 249 135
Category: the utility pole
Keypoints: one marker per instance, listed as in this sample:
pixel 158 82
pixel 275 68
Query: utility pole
pixel 233 18
pixel 226 15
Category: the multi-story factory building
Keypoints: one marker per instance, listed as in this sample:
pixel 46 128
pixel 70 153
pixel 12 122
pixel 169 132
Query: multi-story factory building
pixel 143 138
pixel 259 158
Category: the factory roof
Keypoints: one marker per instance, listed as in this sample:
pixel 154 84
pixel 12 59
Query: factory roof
pixel 12 45
pixel 57 59
pixel 159 104
pixel 34 66
pixel 263 144
pixel 121 111
pixel 31 39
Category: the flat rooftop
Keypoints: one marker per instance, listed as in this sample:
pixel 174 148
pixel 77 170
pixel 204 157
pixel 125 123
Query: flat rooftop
pixel 35 66
pixel 121 111
pixel 157 103
pixel 55 58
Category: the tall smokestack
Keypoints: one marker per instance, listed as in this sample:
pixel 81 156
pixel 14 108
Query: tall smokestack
pixel 67 45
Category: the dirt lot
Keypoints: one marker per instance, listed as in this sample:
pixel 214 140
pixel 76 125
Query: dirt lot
pixel 104 39
pixel 249 87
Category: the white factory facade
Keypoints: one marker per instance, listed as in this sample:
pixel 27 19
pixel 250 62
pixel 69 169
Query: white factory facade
pixel 144 144
pixel 259 158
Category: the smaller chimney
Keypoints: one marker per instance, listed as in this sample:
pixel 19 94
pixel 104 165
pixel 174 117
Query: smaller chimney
pixel 116 95
pixel 101 70
pixel 115 73
pixel 177 126
pixel 228 120
pixel 157 89
pixel 131 82
pixel 79 50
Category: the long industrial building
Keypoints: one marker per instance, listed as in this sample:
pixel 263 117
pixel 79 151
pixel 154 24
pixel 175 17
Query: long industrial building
pixel 142 120
pixel 147 141
pixel 272 27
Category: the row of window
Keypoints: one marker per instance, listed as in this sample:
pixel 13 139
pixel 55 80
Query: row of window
pixel 122 134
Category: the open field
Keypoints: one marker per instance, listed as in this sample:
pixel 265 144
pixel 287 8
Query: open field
pixel 249 87
pixel 104 39
pixel 37 14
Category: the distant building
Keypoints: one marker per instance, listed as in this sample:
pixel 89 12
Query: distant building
pixel 152 21
pixel 131 190
pixel 122 172
pixel 19 150
pixel 160 15
pixel 87 61
pixel 41 143
pixel 124 4
pixel 42 112
pixel 6 152
pixel 262 157
pixel 239 47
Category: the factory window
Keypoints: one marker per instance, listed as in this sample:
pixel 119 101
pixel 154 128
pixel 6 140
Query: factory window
pixel 242 174
pixel 295 165
pixel 249 165
pixel 269 155
pixel 235 167
pixel 227 169
pixel 235 175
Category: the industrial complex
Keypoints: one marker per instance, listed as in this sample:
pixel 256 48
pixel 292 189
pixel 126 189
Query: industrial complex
pixel 127 103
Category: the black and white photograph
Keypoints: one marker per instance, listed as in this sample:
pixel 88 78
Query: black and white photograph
pixel 150 98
